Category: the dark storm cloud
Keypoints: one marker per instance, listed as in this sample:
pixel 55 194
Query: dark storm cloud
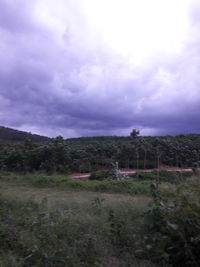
pixel 63 84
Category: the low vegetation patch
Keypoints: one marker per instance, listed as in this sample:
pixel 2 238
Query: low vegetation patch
pixel 111 186
pixel 102 175
pixel 163 176
pixel 96 234
pixel 173 226
pixel 153 231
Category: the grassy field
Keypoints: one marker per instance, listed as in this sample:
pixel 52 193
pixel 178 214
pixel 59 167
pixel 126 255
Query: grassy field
pixel 65 183
pixel 56 221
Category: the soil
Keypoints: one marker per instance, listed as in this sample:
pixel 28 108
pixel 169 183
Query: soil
pixel 132 171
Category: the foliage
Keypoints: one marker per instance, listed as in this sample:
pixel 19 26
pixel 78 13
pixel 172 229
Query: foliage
pixel 164 176
pixel 98 153
pixel 43 238
pixel 95 235
pixel 112 174
pixel 102 175
pixel 134 133
pixel 167 232
pixel 8 135
pixel 173 227
pixel 131 186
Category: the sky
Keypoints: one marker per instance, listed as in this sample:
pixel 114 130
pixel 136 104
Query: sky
pixel 100 67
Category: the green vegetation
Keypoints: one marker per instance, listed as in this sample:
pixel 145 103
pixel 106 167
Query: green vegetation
pixel 86 231
pixel 173 226
pixel 90 154
pixel 11 136
pixel 164 176
pixel 64 226
pixel 131 186
pixel 147 220
pixel 102 175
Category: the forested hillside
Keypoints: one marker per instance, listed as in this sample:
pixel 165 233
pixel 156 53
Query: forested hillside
pixel 11 136
pixel 94 153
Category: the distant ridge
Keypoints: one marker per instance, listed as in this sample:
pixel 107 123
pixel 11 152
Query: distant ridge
pixel 12 136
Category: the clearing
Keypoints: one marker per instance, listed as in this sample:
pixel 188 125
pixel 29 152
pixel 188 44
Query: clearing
pixel 58 197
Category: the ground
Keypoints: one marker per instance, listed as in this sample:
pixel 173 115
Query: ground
pixel 56 196
pixel 132 171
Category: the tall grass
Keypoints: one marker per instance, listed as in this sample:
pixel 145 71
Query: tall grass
pixel 173 226
pixel 90 235
pixel 131 186
pixel 95 233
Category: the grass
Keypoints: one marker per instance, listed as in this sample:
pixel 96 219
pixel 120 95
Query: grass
pixel 164 176
pixel 68 228
pixel 172 226
pixel 136 185
pixel 61 196
pixel 56 221
pixel 131 186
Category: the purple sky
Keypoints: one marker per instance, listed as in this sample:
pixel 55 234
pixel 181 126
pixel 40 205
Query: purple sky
pixel 91 67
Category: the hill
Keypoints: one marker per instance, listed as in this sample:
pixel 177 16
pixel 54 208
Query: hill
pixel 12 136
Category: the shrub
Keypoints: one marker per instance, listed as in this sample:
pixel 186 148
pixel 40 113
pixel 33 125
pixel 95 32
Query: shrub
pixel 164 176
pixel 102 175
pixel 173 227
pixel 85 235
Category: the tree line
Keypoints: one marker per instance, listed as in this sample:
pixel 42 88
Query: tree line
pixel 89 154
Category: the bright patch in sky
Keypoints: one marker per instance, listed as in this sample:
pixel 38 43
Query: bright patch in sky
pixel 136 29
pixel 139 29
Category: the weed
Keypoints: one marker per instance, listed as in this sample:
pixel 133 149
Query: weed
pixel 172 227
pixel 97 205
pixel 130 186
pixel 32 235
pixel 164 176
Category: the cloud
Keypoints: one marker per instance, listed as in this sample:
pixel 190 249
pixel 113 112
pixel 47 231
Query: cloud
pixel 59 77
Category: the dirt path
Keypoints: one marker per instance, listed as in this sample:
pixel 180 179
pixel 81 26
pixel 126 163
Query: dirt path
pixel 132 171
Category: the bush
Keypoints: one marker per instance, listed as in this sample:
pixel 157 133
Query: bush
pixel 164 176
pixel 92 235
pixel 102 175
pixel 173 227
pixel 41 238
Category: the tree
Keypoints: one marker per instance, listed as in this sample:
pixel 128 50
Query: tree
pixel 134 133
